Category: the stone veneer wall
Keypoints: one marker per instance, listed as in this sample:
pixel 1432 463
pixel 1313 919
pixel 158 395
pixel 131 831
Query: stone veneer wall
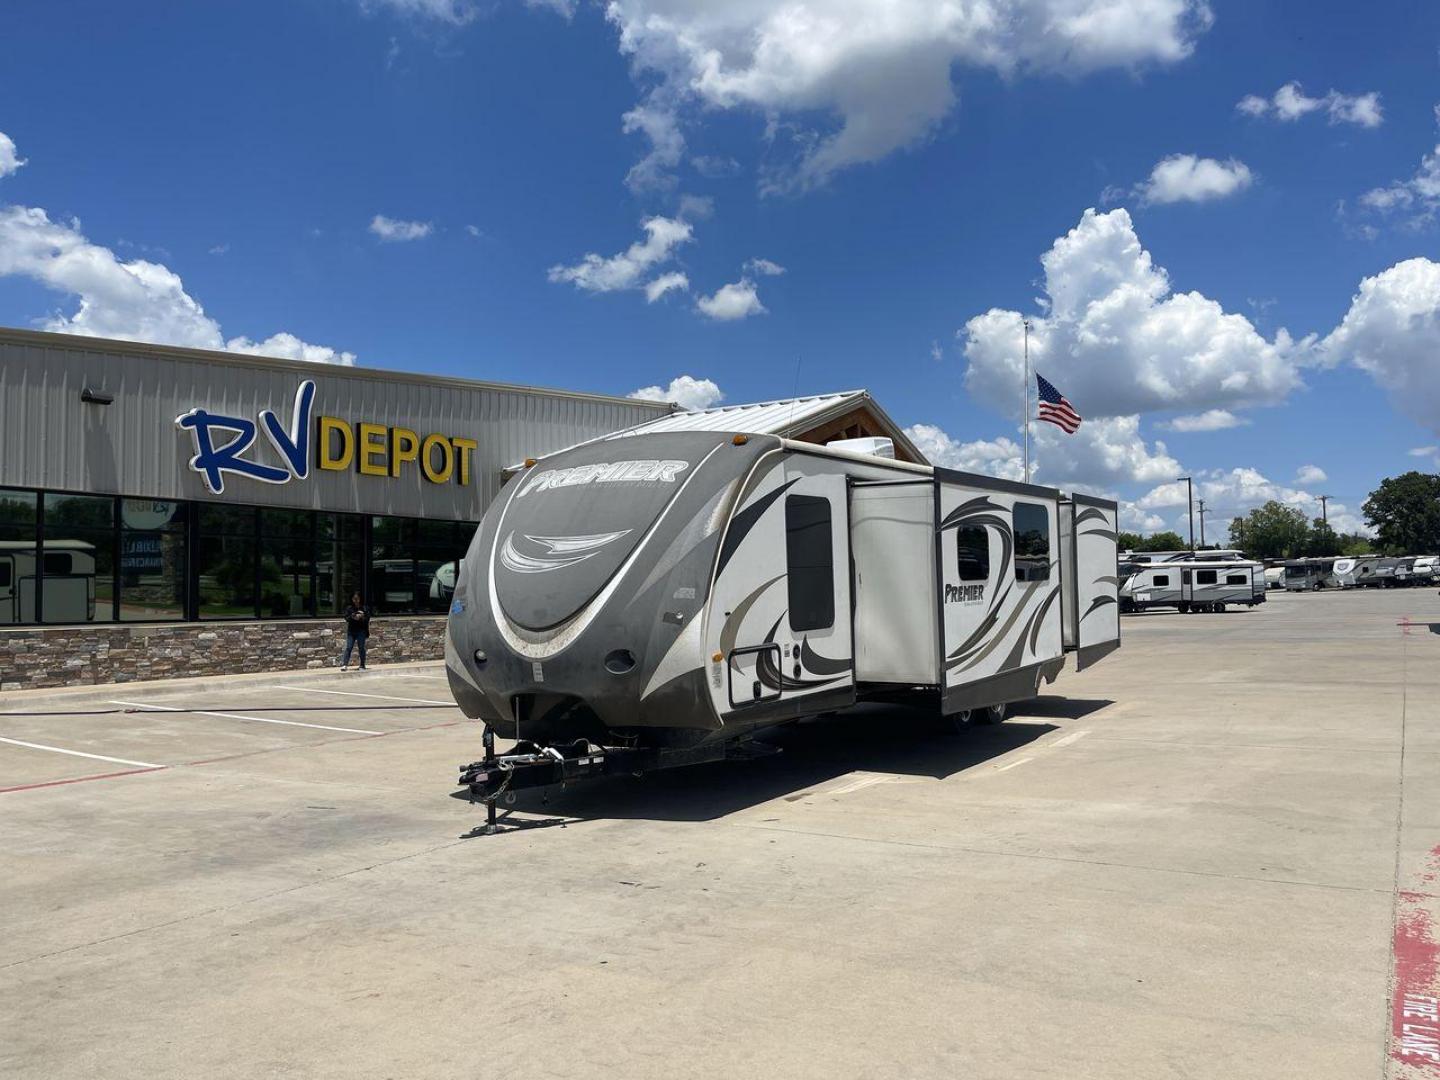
pixel 107 653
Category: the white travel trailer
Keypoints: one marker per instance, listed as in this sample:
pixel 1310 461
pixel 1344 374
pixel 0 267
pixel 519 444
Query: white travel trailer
pixel 1202 585
pixel 1355 571
pixel 1207 554
pixel 1274 577
pixel 69 570
pixel 651 599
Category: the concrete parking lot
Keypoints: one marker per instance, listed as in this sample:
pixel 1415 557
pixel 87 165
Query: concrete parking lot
pixel 1211 855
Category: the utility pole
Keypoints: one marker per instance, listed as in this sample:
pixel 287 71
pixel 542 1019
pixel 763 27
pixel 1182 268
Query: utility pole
pixel 1190 499
pixel 1323 500
pixel 1203 512
pixel 1025 399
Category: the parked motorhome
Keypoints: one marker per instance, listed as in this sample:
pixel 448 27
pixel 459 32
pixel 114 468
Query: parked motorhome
pixel 68 567
pixel 1208 585
pixel 1308 575
pixel 678 591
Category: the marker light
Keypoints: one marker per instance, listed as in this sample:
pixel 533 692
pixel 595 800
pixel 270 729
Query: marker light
pixel 740 440
pixel 529 462
pixel 480 656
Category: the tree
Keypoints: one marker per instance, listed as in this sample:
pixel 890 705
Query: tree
pixel 1126 541
pixel 1164 541
pixel 1271 531
pixel 1404 511
pixel 1355 544
pixel 1322 539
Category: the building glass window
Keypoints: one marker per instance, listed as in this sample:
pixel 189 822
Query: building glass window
pixel 225 562
pixel 18 570
pixel 287 564
pixel 392 565
pixel 339 561
pixel 438 548
pixel 152 574
pixel 1032 542
pixel 78 559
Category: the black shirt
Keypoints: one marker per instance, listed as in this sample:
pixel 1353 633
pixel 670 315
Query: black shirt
pixel 357 620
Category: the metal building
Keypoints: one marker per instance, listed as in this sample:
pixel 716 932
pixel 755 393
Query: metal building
pixel 143 483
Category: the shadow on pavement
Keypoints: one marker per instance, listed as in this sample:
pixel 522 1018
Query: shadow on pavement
pixel 877 739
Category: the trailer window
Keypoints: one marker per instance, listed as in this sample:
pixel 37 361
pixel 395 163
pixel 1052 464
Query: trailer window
pixel 59 564
pixel 1032 542
pixel 1206 577
pixel 972 548
pixel 1236 579
pixel 1162 580
pixel 810 562
pixel 4 575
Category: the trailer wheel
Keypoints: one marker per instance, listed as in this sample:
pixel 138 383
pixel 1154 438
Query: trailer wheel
pixel 961 720
pixel 1219 609
pixel 991 714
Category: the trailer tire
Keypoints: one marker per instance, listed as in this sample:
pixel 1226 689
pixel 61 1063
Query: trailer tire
pixel 961 720
pixel 991 714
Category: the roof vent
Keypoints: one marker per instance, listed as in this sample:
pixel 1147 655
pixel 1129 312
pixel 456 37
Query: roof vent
pixel 874 446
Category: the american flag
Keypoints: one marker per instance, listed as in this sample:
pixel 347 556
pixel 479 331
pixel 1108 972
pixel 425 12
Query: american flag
pixel 1054 407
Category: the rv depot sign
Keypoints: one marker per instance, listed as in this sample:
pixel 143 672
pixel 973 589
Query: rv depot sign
pixel 223 442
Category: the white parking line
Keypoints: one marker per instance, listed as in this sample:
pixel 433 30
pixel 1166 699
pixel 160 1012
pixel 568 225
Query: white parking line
pixel 864 780
pixel 237 716
pixel 81 753
pixel 1013 764
pixel 353 693
pixel 1073 737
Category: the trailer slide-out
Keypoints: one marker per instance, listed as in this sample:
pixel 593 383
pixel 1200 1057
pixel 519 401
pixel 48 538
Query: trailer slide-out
pixel 654 599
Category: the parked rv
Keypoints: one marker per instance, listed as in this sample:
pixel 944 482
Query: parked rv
pixel 668 594
pixel 1308 575
pixel 1274 577
pixel 1356 571
pixel 1202 585
pixel 68 567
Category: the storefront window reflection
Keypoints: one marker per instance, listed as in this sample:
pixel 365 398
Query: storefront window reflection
pixel 152 560
pixel 18 564
pixel 77 559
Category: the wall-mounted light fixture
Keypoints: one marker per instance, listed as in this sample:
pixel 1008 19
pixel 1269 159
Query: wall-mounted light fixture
pixel 96 397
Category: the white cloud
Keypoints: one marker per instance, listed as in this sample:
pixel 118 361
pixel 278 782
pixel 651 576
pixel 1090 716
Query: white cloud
pixel 398 231
pixel 715 166
pixel 1420 193
pixel 936 353
pixel 1310 474
pixel 764 266
pixel 474 230
pixel 627 269
pixel 453 12
pixel 137 300
pixel 1291 102
pixel 1210 420
pixel 685 390
pixel 654 290
pixel 654 171
pixel 1392 331
pixel 1117 341
pixel 291 347
pixel 1187 178
pixel 563 8
pixel 883 72
pixel 220 249
pixel 991 457
pixel 695 207
pixel 1231 493
pixel 10 160
pixel 737 300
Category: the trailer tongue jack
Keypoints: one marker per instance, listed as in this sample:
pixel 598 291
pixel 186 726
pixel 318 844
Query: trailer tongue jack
pixel 531 765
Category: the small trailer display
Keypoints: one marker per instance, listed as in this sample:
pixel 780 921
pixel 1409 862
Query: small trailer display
pixel 654 599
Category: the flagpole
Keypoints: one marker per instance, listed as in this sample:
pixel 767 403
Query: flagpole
pixel 1025 395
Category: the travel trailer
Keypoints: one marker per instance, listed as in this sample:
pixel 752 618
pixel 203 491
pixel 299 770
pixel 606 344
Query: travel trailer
pixel 69 570
pixel 1274 577
pixel 1210 554
pixel 1355 571
pixel 655 599
pixel 1208 585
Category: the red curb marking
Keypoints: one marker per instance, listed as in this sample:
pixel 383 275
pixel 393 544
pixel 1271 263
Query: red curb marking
pixel 83 779
pixel 1415 1011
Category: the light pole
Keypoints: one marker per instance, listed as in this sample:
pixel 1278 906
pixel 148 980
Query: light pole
pixel 1025 398
pixel 1203 512
pixel 1190 500
pixel 1323 500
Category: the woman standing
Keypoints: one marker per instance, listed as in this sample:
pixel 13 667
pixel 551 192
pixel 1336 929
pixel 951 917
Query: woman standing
pixel 357 631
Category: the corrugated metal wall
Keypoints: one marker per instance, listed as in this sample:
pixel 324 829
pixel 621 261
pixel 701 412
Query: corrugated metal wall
pixel 49 438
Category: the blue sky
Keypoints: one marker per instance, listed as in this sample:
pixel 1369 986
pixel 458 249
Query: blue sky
pixel 906 166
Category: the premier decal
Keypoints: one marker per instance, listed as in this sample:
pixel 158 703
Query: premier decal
pixel 558 551
pixel 608 472
pixel 964 594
